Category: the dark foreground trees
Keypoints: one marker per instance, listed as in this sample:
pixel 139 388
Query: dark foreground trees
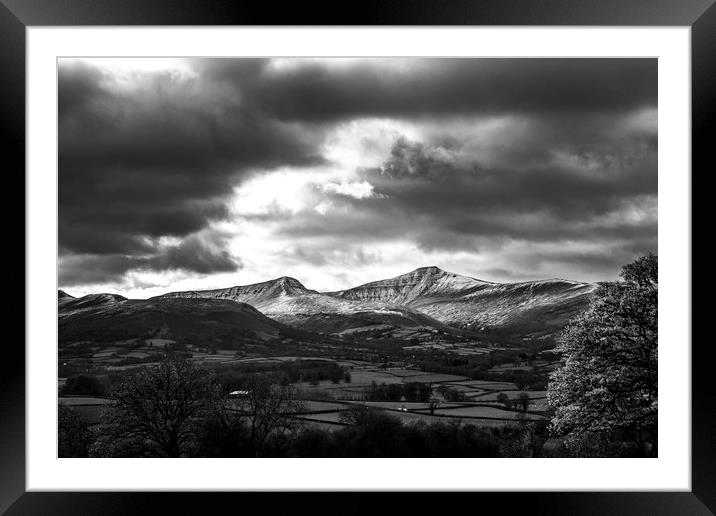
pixel 263 423
pixel 156 410
pixel 606 391
pixel 177 409
pixel 376 433
pixel 73 433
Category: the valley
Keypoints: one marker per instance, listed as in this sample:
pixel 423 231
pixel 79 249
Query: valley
pixel 456 341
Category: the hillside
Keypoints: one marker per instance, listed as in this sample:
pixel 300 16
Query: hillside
pixel 463 302
pixel 208 322
pixel 427 297
pixel 286 300
pixel 421 284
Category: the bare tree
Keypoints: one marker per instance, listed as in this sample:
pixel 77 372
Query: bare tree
pixel 272 412
pixel 74 435
pixel 524 400
pixel 155 410
pixel 433 403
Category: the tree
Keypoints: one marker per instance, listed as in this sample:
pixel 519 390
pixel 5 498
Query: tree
pixel 524 400
pixel 607 385
pixel 449 393
pixel 156 410
pixel 521 380
pixel 433 403
pixel 504 399
pixel 272 413
pixel 74 435
pixel 83 384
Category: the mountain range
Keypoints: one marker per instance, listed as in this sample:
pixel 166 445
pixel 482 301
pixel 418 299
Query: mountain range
pixel 114 318
pixel 427 298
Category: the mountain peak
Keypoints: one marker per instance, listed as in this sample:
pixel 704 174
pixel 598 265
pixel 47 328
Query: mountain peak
pixel 103 298
pixel 288 280
pixel 61 294
pixel 432 269
pixel 288 285
pixel 256 294
pixel 421 283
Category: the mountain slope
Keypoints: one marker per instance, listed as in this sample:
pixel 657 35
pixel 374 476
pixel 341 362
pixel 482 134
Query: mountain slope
pixel 537 307
pixel 288 301
pixel 464 302
pixel 99 302
pixel 258 294
pixel 421 284
pixel 207 322
pixel 427 297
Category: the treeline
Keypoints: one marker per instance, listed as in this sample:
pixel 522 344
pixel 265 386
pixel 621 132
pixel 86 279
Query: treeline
pixel 411 391
pixel 228 378
pixel 311 371
pixel 375 433
pixel 365 433
pixel 478 367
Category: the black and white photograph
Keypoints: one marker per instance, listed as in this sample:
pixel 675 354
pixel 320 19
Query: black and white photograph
pixel 357 257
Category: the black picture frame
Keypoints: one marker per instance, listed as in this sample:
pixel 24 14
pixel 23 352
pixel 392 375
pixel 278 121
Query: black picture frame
pixel 17 15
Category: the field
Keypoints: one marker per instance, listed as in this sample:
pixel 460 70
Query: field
pixel 513 395
pixel 324 401
pixel 473 414
pixel 478 411
pixel 488 386
pixel 370 377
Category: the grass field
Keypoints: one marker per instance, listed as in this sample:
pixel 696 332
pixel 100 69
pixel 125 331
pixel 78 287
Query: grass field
pixel 403 373
pixel 487 385
pixel 480 412
pixel 317 406
pixel 437 378
pixel 396 405
pixel 330 417
pixel 513 395
pixel 325 401
pixel 82 400
pixel 365 377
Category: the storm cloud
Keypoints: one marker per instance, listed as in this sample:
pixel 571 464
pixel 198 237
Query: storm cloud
pixel 540 164
pixel 192 254
pixel 442 197
pixel 157 158
pixel 306 90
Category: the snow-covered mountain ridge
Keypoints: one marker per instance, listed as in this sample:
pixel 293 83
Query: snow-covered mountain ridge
pixel 427 296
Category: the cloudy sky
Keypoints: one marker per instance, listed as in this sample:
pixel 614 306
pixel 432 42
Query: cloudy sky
pixel 201 173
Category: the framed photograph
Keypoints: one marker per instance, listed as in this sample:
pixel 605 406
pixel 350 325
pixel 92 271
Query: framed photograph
pixel 414 249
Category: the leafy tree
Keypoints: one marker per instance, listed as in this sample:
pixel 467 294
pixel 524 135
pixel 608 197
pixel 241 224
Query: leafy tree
pixel 607 385
pixel 524 439
pixel 372 433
